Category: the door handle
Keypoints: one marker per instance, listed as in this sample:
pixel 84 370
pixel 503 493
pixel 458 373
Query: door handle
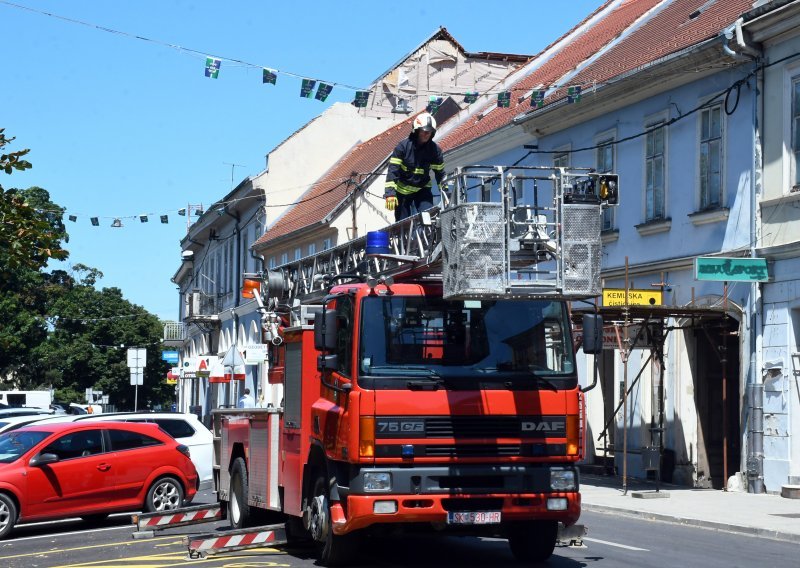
pixel 104 467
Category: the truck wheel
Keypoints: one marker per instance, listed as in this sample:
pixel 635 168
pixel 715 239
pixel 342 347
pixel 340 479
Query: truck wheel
pixel 532 541
pixel 238 510
pixel 334 550
pixel 8 515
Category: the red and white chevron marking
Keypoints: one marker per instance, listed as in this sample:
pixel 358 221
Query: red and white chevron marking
pixel 233 540
pixel 202 515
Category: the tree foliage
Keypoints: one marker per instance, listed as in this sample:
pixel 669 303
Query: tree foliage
pixel 30 233
pixel 56 329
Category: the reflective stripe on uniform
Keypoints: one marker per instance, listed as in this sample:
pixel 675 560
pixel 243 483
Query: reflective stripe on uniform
pixel 408 189
pixel 437 167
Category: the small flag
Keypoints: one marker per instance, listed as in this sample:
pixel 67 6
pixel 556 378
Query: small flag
pixel 198 211
pixel 433 104
pixel 269 76
pixel 95 221
pixel 212 67
pixel 537 99
pixel 164 219
pixel 504 99
pixel 470 97
pixel 182 212
pixel 323 91
pixel 308 86
pixel 573 95
pixel 143 218
pixel 361 99
pixel 73 218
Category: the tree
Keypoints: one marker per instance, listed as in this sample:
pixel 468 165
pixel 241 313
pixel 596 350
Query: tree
pixel 29 234
pixel 90 333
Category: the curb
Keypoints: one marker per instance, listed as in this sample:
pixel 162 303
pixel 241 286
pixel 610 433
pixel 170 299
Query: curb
pixel 700 523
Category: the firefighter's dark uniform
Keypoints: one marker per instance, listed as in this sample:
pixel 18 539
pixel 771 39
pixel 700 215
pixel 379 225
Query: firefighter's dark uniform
pixel 409 177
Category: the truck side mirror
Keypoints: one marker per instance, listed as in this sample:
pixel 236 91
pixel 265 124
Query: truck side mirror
pixel 325 327
pixel 592 334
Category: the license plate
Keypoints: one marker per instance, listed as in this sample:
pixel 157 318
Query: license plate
pixel 473 517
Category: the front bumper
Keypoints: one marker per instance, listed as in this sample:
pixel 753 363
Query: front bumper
pixel 427 494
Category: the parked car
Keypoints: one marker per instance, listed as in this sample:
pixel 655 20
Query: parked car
pixel 90 470
pixel 23 411
pixel 13 422
pixel 185 428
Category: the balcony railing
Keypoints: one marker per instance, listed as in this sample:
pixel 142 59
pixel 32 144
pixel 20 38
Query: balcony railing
pixel 174 333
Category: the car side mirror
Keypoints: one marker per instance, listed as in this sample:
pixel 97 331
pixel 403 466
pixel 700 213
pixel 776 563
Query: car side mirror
pixel 42 459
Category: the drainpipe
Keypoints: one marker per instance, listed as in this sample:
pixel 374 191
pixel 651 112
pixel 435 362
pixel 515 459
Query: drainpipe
pixel 736 47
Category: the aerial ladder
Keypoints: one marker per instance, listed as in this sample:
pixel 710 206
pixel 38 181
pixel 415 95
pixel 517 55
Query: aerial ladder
pixel 540 239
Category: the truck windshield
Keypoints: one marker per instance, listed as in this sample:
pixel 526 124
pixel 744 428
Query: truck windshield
pixel 514 342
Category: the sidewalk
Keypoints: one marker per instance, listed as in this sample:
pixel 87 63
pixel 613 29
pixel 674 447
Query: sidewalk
pixel 769 516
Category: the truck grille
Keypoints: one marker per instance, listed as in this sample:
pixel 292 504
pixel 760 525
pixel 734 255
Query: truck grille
pixel 459 427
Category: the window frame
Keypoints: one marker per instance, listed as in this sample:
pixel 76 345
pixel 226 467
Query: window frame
pixel 701 174
pixel 649 123
pixel 562 153
pixel 791 131
pixel 607 138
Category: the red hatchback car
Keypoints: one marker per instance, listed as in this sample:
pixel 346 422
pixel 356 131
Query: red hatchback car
pixel 89 470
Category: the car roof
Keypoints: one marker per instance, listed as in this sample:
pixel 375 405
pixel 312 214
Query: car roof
pixel 127 415
pixel 57 427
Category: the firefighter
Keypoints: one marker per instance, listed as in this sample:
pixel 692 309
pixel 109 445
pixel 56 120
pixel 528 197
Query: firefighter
pixel 408 181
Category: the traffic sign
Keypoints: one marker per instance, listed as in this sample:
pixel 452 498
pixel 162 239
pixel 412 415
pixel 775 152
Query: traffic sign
pixel 137 357
pixel 137 376
pixel 616 297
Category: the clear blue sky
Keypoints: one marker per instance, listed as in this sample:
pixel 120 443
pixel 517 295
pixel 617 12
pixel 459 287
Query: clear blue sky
pixel 119 126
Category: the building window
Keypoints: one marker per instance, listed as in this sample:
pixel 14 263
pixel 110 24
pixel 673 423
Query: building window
pixel 298 252
pixel 711 157
pixel 654 168
pixel 604 157
pixel 796 132
pixel 312 248
pixel 272 262
pixel 561 159
pixel 326 244
pixel 284 258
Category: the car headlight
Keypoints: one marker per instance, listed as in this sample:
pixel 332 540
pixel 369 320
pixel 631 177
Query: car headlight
pixel 377 481
pixel 562 480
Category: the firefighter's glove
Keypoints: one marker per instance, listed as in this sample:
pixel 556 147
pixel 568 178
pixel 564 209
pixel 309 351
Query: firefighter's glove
pixel 391 202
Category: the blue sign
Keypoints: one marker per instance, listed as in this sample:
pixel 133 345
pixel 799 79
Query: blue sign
pixel 169 356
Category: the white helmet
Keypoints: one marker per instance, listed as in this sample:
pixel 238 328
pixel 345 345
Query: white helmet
pixel 425 122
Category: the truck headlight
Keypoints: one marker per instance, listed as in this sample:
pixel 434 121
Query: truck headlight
pixel 562 480
pixel 377 481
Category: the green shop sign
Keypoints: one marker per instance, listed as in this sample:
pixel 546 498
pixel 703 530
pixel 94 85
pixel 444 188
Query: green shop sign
pixel 730 269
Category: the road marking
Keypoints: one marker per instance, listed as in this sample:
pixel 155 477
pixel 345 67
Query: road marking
pixel 618 545
pixel 60 550
pixel 241 560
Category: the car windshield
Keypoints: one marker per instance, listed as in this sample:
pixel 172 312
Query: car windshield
pixel 487 340
pixel 14 444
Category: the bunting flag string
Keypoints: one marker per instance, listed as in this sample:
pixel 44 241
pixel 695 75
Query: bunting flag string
pixel 269 75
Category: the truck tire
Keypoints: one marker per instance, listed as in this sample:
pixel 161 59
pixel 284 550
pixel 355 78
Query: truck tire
pixel 8 515
pixel 334 550
pixel 532 541
pixel 239 513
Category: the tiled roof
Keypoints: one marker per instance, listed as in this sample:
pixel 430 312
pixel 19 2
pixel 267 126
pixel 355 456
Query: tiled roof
pixel 651 29
pixel 330 190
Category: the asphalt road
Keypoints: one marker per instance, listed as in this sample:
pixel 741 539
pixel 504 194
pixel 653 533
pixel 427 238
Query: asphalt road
pixel 612 541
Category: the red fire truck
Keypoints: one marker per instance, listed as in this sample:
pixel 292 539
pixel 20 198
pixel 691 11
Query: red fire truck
pixel 425 376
